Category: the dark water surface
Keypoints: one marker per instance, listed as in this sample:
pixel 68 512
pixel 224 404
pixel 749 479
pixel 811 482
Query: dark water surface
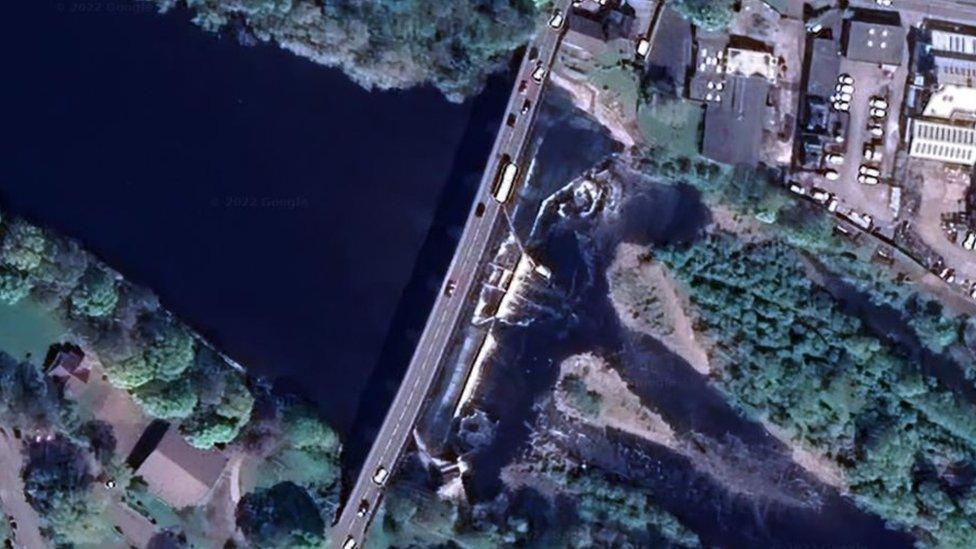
pixel 273 204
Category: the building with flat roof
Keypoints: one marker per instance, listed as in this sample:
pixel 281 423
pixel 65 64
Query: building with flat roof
pixel 951 102
pixel 874 42
pixel 943 142
pixel 952 41
pixel 954 70
pixel 733 126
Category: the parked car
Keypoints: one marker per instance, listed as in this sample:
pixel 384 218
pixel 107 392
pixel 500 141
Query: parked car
pixel 845 97
pixel 557 19
pixel 842 106
pixel 879 113
pixel 844 88
pixel 846 79
pixel 831 175
pixel 835 159
pixel 869 170
pixel 867 179
pixel 883 3
pixel 872 153
pixel 876 130
pixel 878 103
pixel 820 195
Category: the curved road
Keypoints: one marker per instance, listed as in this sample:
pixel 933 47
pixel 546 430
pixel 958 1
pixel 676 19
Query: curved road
pixel 395 433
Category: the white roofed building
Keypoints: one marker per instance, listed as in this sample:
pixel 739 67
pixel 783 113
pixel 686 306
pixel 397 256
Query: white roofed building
pixel 943 142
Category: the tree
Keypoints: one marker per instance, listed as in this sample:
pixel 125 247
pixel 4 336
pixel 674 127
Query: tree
pixel 14 286
pixel 96 295
pixel 169 346
pixel 304 430
pixel 284 515
pixel 712 15
pixel 129 372
pixel 166 400
pixel 388 44
pixel 205 429
pixel 24 246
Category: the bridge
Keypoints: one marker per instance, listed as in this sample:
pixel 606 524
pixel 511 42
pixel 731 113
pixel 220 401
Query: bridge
pixel 444 319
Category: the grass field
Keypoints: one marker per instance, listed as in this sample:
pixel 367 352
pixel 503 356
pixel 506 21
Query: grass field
pixel 672 124
pixel 28 329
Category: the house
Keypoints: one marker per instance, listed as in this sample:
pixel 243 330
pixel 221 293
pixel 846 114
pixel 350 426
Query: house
pixel 174 471
pixel 65 362
pixel 733 125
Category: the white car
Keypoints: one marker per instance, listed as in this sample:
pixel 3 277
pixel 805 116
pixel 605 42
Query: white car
pixel 878 103
pixel 557 20
pixel 643 46
pixel 867 179
pixel 972 291
pixel 869 170
pixel 380 476
pixel 883 3
pixel 539 74
pixel 835 159
pixel 819 195
pixel 844 97
pixel 797 189
pixel 350 543
pixel 844 88
pixel 846 79
pixel 832 205
pixel 876 130
pixel 842 106
pixel 970 242
pixel 831 175
pixel 872 153
pixel 879 113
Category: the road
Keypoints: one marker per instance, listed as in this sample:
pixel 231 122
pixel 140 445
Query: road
pixel 397 428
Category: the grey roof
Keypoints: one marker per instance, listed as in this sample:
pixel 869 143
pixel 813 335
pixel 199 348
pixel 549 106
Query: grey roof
pixel 824 68
pixel 733 128
pixel 875 42
pixel 670 53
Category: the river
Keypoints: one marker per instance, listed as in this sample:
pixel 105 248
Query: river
pixel 278 208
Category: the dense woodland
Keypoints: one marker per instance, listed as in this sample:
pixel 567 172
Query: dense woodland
pixel 787 353
pixel 385 44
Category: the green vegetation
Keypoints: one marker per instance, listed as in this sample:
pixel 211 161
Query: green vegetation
pixel 785 352
pixel 54 288
pixel 281 516
pixel 386 44
pixel 670 123
pixel 615 510
pixel 710 15
pixel 580 397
